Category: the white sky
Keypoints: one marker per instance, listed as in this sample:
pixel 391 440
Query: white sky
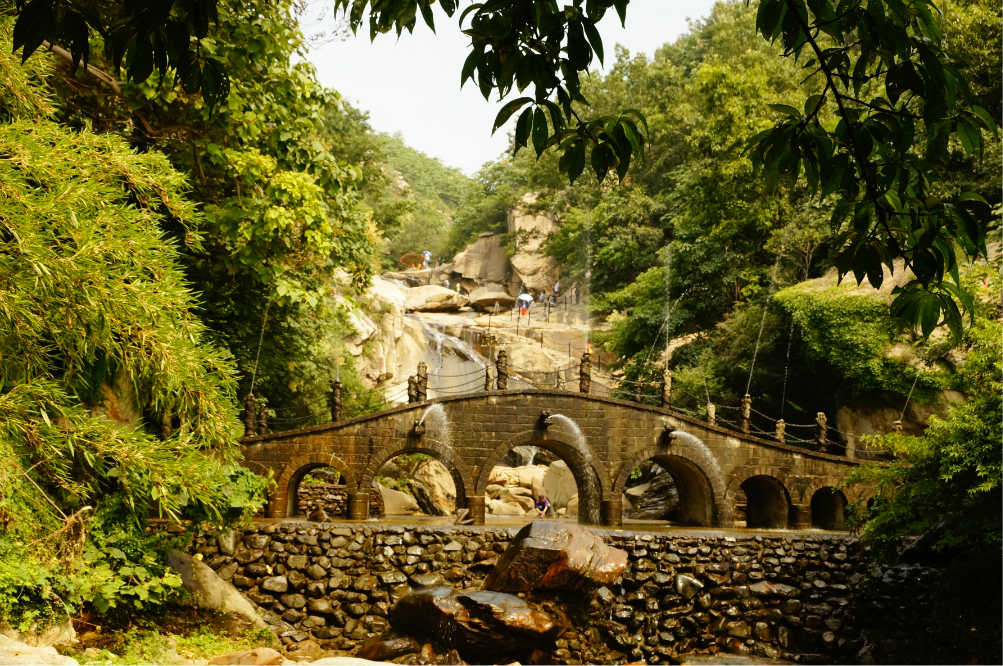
pixel 412 86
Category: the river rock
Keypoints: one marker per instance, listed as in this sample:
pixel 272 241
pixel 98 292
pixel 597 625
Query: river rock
pixel 559 484
pixel 500 508
pixel 16 652
pixel 234 613
pixel 485 298
pixel 552 555
pixel 391 649
pixel 482 622
pixel 440 482
pixel 423 497
pixel 261 656
pixel 433 298
pixel 396 503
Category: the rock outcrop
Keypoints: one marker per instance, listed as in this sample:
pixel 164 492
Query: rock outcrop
pixel 483 261
pixel 16 652
pixel 440 482
pixel 485 298
pixel 483 622
pixel 530 265
pixel 559 484
pixel 233 613
pixel 656 499
pixel 433 298
pixel 551 555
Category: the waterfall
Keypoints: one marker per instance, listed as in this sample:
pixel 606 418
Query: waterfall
pixel 589 490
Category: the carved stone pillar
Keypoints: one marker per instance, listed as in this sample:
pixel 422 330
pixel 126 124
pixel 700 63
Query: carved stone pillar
pixel 746 413
pixel 487 378
pixel 501 369
pixel 337 403
pixel 358 506
pixel 263 418
pixel 823 438
pixel 711 414
pixel 412 389
pixel 585 373
pixel 781 428
pixel 611 511
pixel 250 416
pixel 422 382
pixel 477 506
pixel 897 427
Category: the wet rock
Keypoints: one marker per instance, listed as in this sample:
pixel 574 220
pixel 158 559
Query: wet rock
pixel 229 542
pixel 687 586
pixel 489 622
pixel 550 555
pixel 275 584
pixel 767 588
pixel 656 499
pixel 427 580
pixel 387 650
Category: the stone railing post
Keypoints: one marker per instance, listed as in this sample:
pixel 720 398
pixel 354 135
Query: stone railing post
pixel 781 428
pixel 746 413
pixel 337 405
pixel 585 373
pixel 487 378
pixel 667 389
pixel 501 381
pixel 250 416
pixel 823 440
pixel 412 389
pixel 262 417
pixel 422 382
pixel 711 414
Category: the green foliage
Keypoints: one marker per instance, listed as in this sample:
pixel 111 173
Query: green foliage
pixel 948 478
pixel 150 644
pixel 97 321
pixel 852 333
pixel 899 100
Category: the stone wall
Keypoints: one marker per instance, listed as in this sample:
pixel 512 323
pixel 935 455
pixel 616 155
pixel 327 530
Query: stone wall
pixel 792 596
pixel 333 499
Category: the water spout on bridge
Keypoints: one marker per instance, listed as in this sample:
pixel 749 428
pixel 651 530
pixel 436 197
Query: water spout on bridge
pixel 589 482
pixel 438 424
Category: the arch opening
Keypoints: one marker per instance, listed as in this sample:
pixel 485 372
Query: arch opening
pixel 767 503
pixel 419 482
pixel 670 488
pixel 828 509
pixel 571 484
pixel 318 485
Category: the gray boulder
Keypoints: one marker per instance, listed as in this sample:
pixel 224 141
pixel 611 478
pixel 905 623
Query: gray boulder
pixel 233 612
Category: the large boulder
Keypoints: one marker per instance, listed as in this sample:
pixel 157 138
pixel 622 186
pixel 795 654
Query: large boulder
pixel 559 484
pixel 61 634
pixel 485 298
pixel 478 622
pixel 498 507
pixel 656 499
pixel 433 298
pixel 483 260
pixel 546 554
pixel 16 652
pixel 396 503
pixel 440 482
pixel 233 613
pixel 530 264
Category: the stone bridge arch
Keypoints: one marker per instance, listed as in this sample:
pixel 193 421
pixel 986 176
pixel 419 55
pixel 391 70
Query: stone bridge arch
pixel 590 472
pixel 282 503
pixel 783 485
pixel 441 451
pixel 697 476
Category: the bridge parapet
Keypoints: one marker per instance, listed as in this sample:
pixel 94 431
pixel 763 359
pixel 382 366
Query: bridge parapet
pixel 720 473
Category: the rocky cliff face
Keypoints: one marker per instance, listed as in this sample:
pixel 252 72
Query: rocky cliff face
pixel 530 266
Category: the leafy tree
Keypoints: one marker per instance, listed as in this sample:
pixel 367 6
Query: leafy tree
pixel 97 320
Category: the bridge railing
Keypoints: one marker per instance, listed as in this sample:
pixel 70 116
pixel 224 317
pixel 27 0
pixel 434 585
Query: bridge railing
pixel 581 376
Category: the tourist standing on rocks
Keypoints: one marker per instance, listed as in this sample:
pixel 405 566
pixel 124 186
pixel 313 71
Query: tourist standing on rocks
pixel 543 506
pixel 557 289
pixel 578 294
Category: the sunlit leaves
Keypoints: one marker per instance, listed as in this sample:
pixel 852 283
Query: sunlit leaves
pixel 899 99
pixel 539 46
pixel 144 37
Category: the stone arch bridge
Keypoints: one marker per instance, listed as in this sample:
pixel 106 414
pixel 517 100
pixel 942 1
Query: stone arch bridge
pixel 601 439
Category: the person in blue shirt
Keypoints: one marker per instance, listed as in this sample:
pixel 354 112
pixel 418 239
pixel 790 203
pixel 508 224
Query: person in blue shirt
pixel 543 506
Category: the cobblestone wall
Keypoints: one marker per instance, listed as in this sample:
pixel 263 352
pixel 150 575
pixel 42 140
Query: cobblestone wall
pixel 791 596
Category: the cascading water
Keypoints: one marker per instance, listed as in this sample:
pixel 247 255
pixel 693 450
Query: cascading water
pixel 438 424
pixel 589 489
